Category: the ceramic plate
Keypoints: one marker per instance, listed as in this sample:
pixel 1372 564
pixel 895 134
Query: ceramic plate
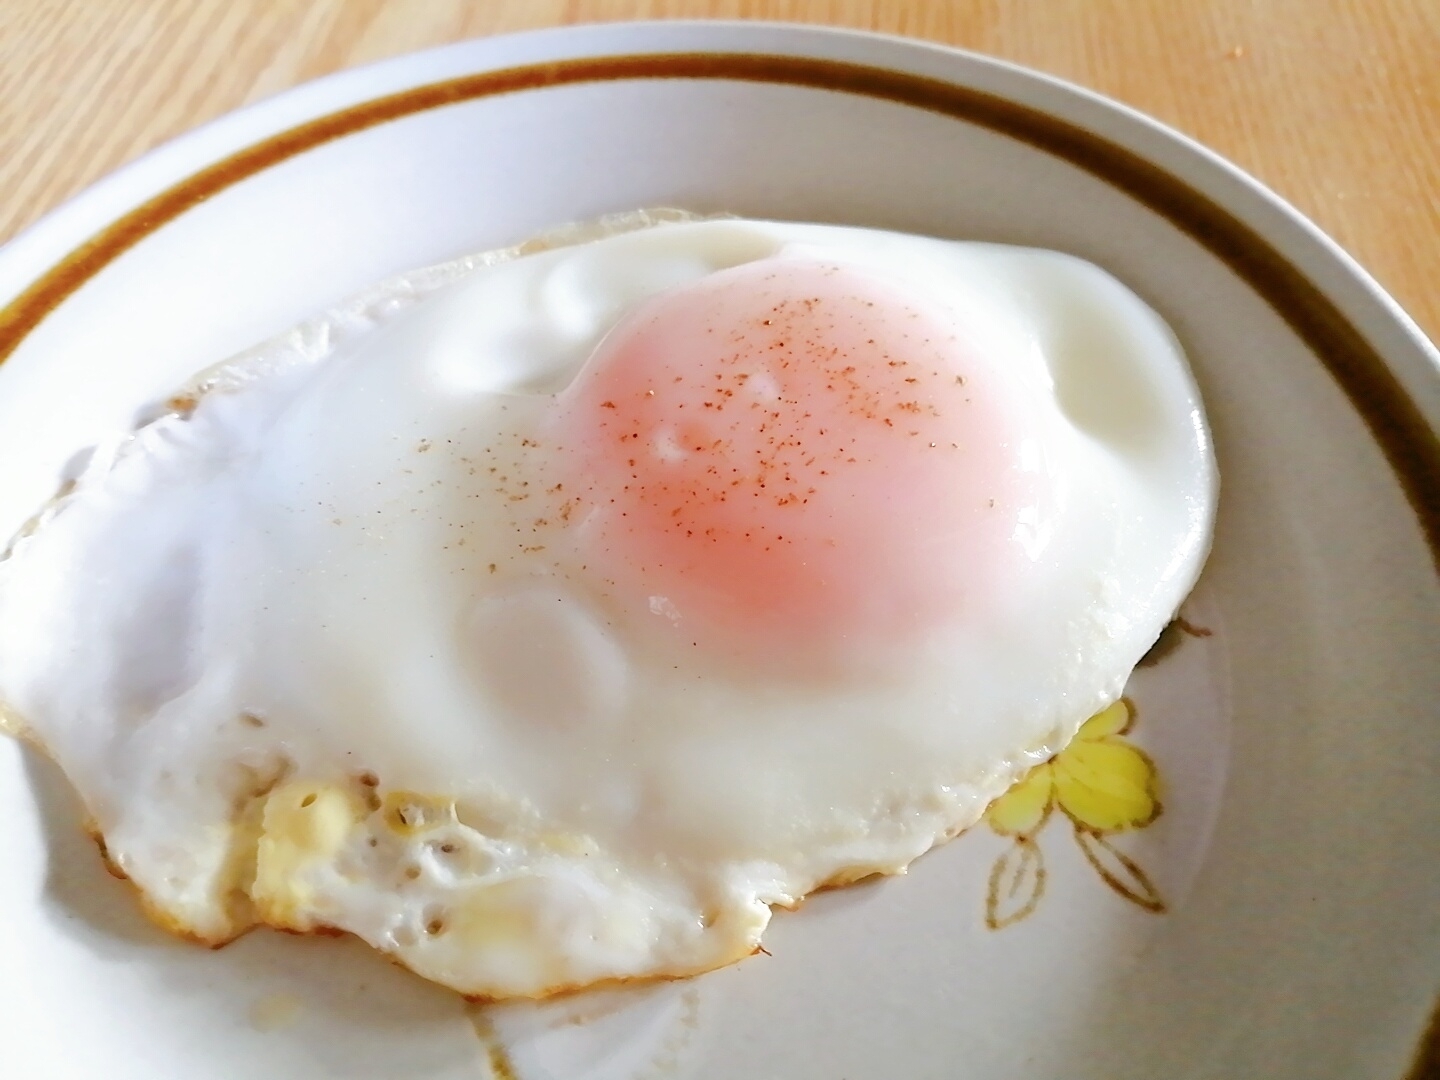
pixel 1275 917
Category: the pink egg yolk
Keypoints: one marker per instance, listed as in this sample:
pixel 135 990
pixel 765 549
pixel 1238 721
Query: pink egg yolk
pixel 794 462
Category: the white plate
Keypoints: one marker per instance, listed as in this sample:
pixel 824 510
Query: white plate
pixel 1299 936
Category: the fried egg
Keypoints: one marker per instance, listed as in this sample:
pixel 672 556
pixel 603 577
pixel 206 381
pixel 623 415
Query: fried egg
pixel 557 627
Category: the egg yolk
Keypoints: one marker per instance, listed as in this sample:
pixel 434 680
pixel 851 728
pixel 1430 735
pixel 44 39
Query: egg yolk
pixel 792 460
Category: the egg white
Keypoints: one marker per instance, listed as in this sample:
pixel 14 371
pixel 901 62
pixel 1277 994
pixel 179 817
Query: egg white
pixel 317 648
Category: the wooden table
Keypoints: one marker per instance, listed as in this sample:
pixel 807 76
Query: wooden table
pixel 1333 103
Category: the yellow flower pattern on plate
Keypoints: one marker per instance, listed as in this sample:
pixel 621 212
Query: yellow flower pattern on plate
pixel 1104 785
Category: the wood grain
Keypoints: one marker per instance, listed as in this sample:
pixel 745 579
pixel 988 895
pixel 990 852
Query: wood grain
pixel 1333 103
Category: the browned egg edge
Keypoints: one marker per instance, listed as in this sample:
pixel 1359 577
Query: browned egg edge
pixel 12 724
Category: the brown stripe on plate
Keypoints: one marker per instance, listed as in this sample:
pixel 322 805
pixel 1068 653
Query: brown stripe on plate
pixel 1426 1065
pixel 1407 440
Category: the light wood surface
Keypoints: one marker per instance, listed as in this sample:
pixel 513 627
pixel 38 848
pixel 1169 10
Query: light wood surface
pixel 1333 103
